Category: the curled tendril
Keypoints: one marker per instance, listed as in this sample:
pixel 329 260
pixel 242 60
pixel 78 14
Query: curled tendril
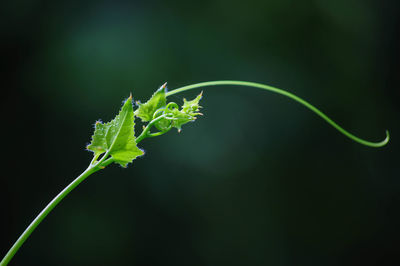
pixel 156 113
pixel 171 104
pixel 289 95
pixel 163 113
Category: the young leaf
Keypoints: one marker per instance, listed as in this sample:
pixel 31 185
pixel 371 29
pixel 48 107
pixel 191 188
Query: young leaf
pixel 181 118
pixel 193 105
pixel 99 144
pixel 146 110
pixel 117 137
pixel 178 118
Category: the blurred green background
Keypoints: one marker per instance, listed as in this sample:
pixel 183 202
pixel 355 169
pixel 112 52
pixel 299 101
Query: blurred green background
pixel 259 180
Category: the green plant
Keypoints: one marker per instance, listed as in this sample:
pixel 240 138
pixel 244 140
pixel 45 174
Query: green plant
pixel 115 141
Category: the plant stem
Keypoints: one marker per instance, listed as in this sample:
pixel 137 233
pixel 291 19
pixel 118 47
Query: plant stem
pixel 94 166
pixel 146 131
pixel 28 231
pixel 287 94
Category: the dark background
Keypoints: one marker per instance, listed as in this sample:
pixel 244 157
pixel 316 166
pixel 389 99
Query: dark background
pixel 259 180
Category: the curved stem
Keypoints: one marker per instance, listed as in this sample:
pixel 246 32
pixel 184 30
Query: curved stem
pixel 28 231
pixel 95 165
pixel 146 131
pixel 287 94
pixel 103 162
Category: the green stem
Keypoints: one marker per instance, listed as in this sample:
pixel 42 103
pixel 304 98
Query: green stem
pixel 95 165
pixel 287 94
pixel 146 131
pixel 105 163
pixel 28 231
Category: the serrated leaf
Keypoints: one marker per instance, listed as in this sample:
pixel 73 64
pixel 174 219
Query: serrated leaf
pixel 193 105
pixel 117 136
pixel 178 118
pixel 181 118
pixel 99 144
pixel 146 110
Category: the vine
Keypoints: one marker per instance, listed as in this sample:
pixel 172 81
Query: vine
pixel 115 141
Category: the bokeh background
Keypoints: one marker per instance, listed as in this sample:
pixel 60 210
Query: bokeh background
pixel 259 180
